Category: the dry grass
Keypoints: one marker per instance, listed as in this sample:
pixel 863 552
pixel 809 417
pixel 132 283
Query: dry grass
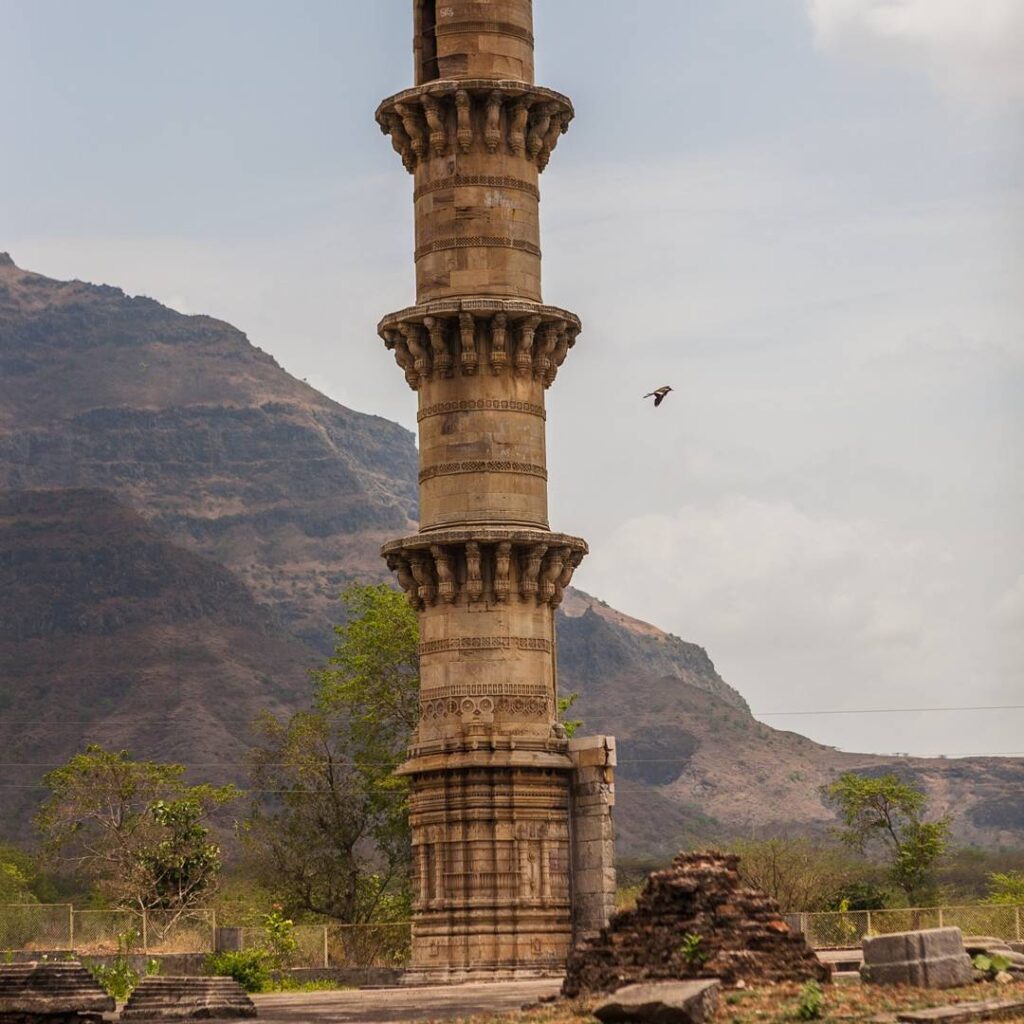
pixel 774 1004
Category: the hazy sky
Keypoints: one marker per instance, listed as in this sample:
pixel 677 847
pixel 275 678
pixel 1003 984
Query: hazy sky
pixel 805 215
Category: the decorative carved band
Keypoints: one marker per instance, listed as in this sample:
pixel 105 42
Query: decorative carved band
pixel 485 643
pixel 477 241
pixel 481 405
pixel 482 466
pixel 484 180
pixel 486 690
pixel 505 28
pixel 488 535
pixel 483 708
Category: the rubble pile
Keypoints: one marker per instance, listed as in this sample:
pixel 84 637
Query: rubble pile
pixel 694 920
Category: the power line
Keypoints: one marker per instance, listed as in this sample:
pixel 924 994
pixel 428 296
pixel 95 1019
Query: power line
pixel 891 711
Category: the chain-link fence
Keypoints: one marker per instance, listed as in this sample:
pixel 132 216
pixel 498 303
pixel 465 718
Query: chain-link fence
pixel 39 927
pixel 844 929
pixel 342 945
pixel 36 926
pixel 191 932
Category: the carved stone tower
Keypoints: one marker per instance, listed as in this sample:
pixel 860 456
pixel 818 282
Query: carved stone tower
pixel 497 867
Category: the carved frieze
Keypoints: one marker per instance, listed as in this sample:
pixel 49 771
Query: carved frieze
pixel 471 336
pixel 467 566
pixel 445 117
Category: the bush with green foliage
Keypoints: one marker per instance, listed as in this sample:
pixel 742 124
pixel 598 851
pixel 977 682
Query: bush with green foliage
pixel 692 950
pixel 812 1002
pixel 119 978
pixel 1006 887
pixel 279 939
pixel 249 967
pixel 991 964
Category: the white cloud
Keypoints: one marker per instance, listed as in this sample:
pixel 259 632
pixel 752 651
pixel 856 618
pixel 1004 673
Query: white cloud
pixel 806 611
pixel 968 48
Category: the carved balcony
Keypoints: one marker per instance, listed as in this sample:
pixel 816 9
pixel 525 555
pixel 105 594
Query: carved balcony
pixel 489 565
pixel 468 336
pixel 442 118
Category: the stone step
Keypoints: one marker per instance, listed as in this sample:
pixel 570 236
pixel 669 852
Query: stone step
pixel 187 998
pixel 52 988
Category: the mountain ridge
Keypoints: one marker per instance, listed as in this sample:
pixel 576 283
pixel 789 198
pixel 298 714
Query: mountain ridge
pixel 127 408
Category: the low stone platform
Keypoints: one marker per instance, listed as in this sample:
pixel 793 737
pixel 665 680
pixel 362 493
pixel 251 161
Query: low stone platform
pixel 52 992
pixel 188 998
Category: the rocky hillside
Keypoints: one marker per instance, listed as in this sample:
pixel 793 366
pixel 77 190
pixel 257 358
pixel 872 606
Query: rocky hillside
pixel 184 419
pixel 111 633
pixel 202 509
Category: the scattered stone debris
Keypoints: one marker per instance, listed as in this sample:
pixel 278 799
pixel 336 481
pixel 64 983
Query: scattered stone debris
pixel 694 920
pixel 187 998
pixel 993 948
pixel 661 1002
pixel 51 992
pixel 931 958
pixel 964 1013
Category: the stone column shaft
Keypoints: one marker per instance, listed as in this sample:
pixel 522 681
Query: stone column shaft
pixel 489 764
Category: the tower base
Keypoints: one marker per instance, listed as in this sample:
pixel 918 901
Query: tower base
pixel 492 860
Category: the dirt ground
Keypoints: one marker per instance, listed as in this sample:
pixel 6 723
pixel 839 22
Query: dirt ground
pixel 502 1003
pixel 382 1006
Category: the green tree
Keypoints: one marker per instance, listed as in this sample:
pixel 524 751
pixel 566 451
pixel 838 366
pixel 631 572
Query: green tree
pixel 887 813
pixel 1006 887
pixel 21 878
pixel 333 836
pixel 134 829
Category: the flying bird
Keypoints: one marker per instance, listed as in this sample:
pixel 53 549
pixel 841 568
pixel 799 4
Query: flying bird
pixel 658 394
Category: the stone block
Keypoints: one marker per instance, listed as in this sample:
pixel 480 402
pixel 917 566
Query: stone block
pixel 664 1002
pixel 932 958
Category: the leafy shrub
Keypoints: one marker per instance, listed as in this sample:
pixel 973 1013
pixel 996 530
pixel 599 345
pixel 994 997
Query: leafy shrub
pixel 991 965
pixel 1006 887
pixel 279 939
pixel 247 966
pixel 691 950
pixel 812 1002
pixel 117 979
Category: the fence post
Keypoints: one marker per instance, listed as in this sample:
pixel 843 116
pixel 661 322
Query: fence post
pixel 213 930
pixel 941 925
pixel 145 931
pixel 71 927
pixel 326 958
pixel 870 932
pixel 1016 921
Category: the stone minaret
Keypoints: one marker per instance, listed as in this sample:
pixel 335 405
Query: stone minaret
pixel 502 880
